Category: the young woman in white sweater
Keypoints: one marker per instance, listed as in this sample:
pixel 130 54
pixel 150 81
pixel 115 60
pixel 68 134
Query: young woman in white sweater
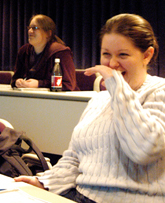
pixel 117 150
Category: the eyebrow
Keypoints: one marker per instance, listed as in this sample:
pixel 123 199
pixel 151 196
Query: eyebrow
pixel 33 24
pixel 123 49
pixel 105 49
pixel 118 50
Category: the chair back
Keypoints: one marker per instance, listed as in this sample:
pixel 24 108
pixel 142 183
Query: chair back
pixel 98 83
pixel 85 83
pixel 5 77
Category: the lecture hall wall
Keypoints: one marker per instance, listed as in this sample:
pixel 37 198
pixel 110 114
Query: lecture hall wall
pixel 78 24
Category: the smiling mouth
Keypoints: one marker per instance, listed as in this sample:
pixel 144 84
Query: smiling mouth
pixel 123 73
pixel 31 35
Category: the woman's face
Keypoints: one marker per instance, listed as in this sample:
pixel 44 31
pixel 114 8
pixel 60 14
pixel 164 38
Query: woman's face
pixel 118 52
pixel 36 35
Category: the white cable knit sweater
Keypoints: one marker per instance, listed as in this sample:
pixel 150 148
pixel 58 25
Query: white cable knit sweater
pixel 117 150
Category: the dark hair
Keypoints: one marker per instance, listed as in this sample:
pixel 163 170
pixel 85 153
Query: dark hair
pixel 47 24
pixel 136 28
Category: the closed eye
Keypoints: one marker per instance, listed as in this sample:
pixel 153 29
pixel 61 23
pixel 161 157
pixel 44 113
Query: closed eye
pixel 105 53
pixel 123 55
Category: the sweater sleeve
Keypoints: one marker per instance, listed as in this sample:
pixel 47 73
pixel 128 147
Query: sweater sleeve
pixel 63 175
pixel 139 120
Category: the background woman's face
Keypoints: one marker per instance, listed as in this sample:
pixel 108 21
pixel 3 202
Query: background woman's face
pixel 36 37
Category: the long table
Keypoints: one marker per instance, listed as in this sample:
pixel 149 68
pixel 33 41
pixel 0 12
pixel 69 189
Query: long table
pixel 21 192
pixel 48 118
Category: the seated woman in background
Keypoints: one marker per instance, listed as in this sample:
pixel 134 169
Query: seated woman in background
pixel 35 60
pixel 117 150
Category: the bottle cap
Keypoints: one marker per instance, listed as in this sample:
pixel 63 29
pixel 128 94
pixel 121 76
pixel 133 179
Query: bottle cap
pixel 57 60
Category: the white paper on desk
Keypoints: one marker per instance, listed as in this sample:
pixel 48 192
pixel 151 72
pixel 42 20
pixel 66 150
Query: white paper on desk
pixel 18 196
pixel 32 89
pixel 5 182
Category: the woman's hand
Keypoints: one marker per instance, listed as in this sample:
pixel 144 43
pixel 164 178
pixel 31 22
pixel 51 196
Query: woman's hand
pixel 105 71
pixel 30 83
pixel 30 180
pixel 19 83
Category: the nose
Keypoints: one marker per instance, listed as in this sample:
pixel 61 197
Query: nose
pixel 113 63
pixel 30 30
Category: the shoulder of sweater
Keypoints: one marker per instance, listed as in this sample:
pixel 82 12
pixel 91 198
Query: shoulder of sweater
pixel 155 78
pixel 153 82
pixel 51 48
pixel 150 87
pixel 56 47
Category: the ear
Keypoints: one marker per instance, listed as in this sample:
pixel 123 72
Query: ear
pixel 148 54
pixel 49 33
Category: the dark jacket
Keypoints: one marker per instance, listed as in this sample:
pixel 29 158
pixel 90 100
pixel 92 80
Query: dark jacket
pixel 44 67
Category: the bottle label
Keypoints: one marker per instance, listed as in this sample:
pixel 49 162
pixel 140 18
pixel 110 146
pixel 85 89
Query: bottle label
pixel 56 81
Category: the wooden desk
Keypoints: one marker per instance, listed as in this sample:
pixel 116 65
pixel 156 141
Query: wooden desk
pixel 48 118
pixel 9 183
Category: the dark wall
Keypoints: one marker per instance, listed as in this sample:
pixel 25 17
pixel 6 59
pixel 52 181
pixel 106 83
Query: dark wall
pixel 78 24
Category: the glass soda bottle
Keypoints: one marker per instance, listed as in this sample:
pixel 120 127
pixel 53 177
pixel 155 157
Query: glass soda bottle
pixel 56 77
